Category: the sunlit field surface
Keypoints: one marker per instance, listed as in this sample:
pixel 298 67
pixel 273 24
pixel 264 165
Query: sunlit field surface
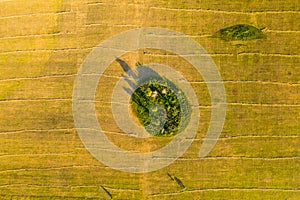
pixel 42 46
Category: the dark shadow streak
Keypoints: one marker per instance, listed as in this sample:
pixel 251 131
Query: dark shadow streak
pixel 106 191
pixel 177 180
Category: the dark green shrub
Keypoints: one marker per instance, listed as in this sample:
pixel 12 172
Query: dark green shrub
pixel 157 106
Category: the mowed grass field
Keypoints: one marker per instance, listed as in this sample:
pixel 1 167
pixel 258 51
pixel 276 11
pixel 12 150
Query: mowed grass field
pixel 42 46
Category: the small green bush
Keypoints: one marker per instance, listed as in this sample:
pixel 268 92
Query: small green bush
pixel 240 32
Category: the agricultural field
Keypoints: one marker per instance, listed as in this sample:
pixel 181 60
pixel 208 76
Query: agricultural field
pixel 43 45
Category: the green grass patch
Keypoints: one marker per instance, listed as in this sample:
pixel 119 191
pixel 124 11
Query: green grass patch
pixel 240 32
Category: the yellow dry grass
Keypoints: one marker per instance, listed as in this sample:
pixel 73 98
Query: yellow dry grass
pixel 42 45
